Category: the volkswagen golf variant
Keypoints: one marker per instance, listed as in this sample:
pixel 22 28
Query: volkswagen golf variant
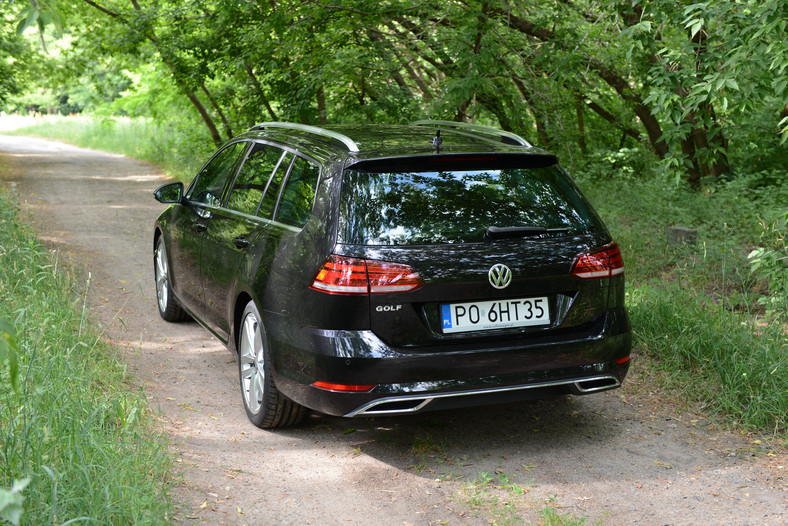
pixel 387 270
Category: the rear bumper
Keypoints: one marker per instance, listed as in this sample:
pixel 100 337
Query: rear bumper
pixel 430 401
pixel 414 380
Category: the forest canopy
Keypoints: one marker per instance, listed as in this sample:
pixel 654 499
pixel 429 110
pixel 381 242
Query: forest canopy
pixel 697 85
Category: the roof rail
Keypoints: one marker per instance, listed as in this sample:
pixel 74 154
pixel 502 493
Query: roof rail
pixel 483 130
pixel 344 139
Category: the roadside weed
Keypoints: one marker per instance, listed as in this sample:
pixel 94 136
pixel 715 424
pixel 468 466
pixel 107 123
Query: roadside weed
pixel 709 328
pixel 73 428
pixel 551 517
pixel 503 502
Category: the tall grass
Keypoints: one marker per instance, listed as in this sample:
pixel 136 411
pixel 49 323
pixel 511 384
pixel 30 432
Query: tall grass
pixel 75 427
pixel 695 309
pixel 732 362
pixel 177 147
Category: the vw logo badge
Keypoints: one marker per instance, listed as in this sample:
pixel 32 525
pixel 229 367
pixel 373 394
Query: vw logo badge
pixel 500 276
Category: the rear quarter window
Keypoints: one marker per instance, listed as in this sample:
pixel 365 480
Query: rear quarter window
pixel 295 207
pixel 458 206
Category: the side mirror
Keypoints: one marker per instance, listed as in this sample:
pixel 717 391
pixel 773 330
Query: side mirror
pixel 169 193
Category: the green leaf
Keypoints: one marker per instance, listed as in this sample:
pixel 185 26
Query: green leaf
pixel 8 351
pixel 11 502
pixel 694 26
pixel 32 17
pixel 21 26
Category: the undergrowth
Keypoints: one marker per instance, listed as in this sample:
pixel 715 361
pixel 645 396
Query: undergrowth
pixel 709 324
pixel 72 429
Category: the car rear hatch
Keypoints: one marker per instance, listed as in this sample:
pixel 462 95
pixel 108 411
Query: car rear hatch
pixel 486 247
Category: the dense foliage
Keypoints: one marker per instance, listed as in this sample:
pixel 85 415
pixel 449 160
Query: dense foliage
pixel 690 82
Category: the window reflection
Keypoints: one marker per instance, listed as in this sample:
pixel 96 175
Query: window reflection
pixel 295 206
pixel 272 192
pixel 254 175
pixel 207 189
pixel 456 206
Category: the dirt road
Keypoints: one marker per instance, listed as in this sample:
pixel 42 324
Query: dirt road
pixel 620 457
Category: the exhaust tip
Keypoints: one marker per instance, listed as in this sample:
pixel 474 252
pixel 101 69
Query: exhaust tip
pixel 593 385
pixel 394 406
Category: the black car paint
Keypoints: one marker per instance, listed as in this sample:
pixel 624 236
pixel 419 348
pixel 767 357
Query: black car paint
pixel 347 339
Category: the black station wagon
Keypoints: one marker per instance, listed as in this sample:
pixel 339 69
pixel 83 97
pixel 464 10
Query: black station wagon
pixel 387 270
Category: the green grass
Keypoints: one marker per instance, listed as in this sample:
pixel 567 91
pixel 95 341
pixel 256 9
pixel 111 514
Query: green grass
pixel 178 148
pixel 699 321
pixel 506 503
pixel 75 427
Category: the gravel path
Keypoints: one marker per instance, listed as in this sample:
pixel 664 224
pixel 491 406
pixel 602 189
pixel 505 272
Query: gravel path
pixel 619 457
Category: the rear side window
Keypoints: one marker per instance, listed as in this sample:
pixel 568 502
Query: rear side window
pixel 253 178
pixel 272 191
pixel 295 207
pixel 208 186
pixel 456 206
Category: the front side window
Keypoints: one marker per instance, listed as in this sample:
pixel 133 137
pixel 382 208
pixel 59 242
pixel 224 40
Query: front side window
pixel 295 207
pixel 455 206
pixel 207 188
pixel 252 178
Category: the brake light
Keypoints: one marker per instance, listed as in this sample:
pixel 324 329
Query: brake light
pixel 344 275
pixel 344 388
pixel 604 263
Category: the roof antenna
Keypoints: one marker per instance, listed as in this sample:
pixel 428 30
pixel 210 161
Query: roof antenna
pixel 437 141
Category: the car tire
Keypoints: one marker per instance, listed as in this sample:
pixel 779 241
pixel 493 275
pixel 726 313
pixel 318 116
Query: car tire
pixel 265 406
pixel 169 309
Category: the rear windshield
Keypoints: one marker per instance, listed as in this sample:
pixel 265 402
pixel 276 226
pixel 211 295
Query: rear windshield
pixel 458 206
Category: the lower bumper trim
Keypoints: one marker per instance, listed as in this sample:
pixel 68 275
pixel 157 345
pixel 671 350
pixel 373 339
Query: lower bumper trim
pixel 413 403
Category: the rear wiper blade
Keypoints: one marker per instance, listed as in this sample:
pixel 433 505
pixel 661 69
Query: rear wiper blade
pixel 503 232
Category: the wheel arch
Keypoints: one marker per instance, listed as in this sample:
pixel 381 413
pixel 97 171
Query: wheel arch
pixel 241 301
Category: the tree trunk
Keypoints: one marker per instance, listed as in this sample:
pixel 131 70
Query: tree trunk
pixel 541 127
pixel 693 169
pixel 217 139
pixel 321 106
pixel 260 92
pixel 227 129
pixel 612 119
pixel 581 128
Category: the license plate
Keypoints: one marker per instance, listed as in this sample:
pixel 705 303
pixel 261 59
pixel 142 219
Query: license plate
pixel 485 315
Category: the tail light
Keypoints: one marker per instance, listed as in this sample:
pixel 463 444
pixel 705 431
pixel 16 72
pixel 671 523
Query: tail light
pixel 604 263
pixel 344 275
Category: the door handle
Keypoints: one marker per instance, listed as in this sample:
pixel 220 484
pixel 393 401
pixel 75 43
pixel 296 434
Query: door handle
pixel 241 242
pixel 199 227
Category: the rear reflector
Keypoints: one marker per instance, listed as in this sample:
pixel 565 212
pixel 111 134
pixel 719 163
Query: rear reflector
pixel 604 263
pixel 344 388
pixel 622 361
pixel 344 275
